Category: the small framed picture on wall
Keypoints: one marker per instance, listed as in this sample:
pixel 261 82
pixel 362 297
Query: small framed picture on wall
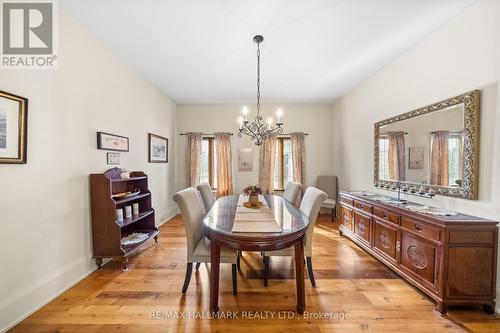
pixel 245 159
pixel 13 128
pixel 107 141
pixel 113 158
pixel 158 149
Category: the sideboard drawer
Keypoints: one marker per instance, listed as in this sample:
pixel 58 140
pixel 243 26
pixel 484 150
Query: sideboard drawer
pixel 423 230
pixel 363 206
pixel 386 215
pixel 346 200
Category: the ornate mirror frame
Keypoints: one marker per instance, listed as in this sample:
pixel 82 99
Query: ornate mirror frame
pixel 469 189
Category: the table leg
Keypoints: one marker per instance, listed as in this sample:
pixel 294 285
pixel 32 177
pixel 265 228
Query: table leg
pixel 214 280
pixel 299 276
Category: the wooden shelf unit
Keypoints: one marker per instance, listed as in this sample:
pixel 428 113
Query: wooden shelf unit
pixel 107 232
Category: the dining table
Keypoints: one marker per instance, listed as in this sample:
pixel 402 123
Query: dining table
pixel 292 225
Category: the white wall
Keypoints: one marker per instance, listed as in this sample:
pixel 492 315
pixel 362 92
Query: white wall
pixel 462 55
pixel 44 205
pixel 314 119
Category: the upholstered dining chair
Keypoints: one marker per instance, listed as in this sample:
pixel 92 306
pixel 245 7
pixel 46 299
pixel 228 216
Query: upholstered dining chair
pixel 292 192
pixel 198 245
pixel 328 184
pixel 310 206
pixel 207 195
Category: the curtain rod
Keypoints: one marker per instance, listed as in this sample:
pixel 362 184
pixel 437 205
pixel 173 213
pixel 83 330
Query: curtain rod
pixel 203 133
pixel 232 134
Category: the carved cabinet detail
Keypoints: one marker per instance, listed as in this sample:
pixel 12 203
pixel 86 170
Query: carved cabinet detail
pixel 450 258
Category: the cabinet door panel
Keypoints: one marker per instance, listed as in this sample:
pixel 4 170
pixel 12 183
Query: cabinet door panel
pixel 384 240
pixel 362 227
pixel 420 257
pixel 347 218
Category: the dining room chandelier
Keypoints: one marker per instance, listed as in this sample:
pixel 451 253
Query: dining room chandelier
pixel 258 129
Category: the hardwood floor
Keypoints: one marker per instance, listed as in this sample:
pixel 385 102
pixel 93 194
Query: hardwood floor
pixel 349 282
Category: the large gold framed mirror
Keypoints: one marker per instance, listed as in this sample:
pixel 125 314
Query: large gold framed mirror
pixel 431 150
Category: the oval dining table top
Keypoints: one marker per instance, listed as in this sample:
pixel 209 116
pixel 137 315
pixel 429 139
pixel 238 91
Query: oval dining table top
pixel 291 220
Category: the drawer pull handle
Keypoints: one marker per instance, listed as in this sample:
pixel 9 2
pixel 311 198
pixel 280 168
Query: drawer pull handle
pixel 418 227
pixel 385 216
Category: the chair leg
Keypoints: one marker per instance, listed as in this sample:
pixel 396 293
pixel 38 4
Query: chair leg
pixel 333 214
pixel 266 270
pixel 189 270
pixel 238 260
pixel 310 272
pixel 197 267
pixel 235 282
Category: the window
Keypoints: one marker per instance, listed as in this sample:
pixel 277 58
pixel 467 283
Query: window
pixel 454 159
pixel 283 166
pixel 208 163
pixel 383 158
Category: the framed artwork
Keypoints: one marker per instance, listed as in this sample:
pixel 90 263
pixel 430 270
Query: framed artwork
pixel 416 158
pixel 13 128
pixel 113 158
pixel 107 141
pixel 158 149
pixel 245 159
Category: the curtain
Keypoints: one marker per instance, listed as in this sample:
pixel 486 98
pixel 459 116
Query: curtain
pixel 266 164
pixel 397 166
pixel 439 158
pixel 298 157
pixel 193 153
pixel 224 164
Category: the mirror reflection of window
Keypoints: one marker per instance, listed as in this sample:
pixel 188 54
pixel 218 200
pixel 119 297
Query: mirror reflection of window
pixel 383 157
pixel 455 159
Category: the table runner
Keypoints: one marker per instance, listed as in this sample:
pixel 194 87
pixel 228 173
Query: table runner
pixel 254 220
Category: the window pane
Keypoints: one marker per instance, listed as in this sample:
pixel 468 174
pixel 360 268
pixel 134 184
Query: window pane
pixel 276 170
pixel 204 162
pixel 287 162
pixel 215 171
pixel 383 158
pixel 454 160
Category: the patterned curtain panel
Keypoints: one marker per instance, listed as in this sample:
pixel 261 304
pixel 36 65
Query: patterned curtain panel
pixel 298 157
pixel 266 164
pixel 193 153
pixel 397 165
pixel 224 164
pixel 439 158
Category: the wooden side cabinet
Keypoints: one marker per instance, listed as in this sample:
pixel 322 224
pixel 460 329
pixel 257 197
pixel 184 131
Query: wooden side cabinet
pixel 452 259
pixel 107 232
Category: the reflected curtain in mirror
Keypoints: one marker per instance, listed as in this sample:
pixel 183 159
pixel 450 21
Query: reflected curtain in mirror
pixel 439 158
pixel 267 153
pixel 193 153
pixel 397 155
pixel 298 157
pixel 224 164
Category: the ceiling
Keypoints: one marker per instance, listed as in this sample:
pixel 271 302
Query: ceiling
pixel 201 51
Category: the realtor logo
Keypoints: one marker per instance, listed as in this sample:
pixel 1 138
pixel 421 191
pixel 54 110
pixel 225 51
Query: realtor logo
pixel 28 34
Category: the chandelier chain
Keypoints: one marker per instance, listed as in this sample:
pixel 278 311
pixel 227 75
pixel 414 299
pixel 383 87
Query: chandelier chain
pixel 258 78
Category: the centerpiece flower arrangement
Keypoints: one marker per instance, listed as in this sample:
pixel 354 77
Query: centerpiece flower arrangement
pixel 253 192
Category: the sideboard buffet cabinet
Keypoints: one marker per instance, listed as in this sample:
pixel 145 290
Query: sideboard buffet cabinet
pixel 451 258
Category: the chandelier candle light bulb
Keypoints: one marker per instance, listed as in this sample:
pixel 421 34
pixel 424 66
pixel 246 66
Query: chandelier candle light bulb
pixel 245 113
pixel 279 114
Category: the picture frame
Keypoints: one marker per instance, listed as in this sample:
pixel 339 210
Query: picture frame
pixel 415 158
pixel 245 159
pixel 13 128
pixel 113 158
pixel 108 141
pixel 158 149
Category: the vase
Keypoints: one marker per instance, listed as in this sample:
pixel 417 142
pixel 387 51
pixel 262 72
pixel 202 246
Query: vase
pixel 253 200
